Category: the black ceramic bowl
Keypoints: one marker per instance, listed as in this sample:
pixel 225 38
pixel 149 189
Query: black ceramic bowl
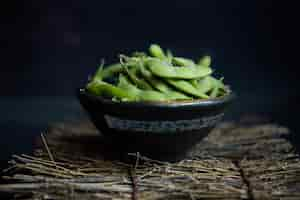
pixel 159 130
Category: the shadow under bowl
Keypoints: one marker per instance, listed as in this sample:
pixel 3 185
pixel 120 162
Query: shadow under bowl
pixel 159 130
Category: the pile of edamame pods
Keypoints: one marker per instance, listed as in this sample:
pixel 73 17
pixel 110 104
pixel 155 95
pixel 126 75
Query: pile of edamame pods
pixel 157 76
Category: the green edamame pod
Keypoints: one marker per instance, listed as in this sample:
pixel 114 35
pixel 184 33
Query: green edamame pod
pixel 176 95
pixel 214 92
pixel 178 61
pixel 144 95
pixel 156 51
pixel 125 85
pixel 161 85
pixel 130 62
pixel 158 77
pixel 155 82
pixel 218 85
pixel 108 71
pixel 164 70
pixel 194 82
pixel 139 82
pixel 186 87
pixel 102 88
pixel 205 84
pixel 169 56
pixel 205 61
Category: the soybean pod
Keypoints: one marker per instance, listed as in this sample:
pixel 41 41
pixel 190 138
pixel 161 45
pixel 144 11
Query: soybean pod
pixel 159 76
pixel 145 95
pixel 108 71
pixel 162 69
pixel 178 61
pixel 218 85
pixel 139 82
pixel 205 84
pixel 161 85
pixel 205 61
pixel 105 89
pixel 156 51
pixel 187 87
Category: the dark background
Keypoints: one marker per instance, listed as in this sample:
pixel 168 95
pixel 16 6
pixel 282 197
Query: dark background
pixel 51 46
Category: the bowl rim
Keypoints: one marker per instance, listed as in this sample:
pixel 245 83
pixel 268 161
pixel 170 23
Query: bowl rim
pixel 198 102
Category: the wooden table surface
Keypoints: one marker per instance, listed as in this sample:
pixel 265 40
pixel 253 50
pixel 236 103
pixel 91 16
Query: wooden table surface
pixel 249 159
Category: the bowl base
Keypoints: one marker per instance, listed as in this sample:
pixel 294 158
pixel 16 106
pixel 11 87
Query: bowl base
pixel 162 147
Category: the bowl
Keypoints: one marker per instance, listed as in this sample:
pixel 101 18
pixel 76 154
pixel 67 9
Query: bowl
pixel 159 130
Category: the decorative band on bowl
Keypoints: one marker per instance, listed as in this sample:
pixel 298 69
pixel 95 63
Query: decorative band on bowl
pixel 162 126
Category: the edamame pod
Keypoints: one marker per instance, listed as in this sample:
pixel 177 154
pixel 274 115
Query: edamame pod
pixel 102 88
pixel 159 77
pixel 194 82
pixel 169 56
pixel 161 85
pixel 145 95
pixel 205 84
pixel 139 82
pixel 217 86
pixel 187 87
pixel 108 71
pixel 205 61
pixel 214 92
pixel 175 95
pixel 178 61
pixel 164 70
pixel 155 82
pixel 156 51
